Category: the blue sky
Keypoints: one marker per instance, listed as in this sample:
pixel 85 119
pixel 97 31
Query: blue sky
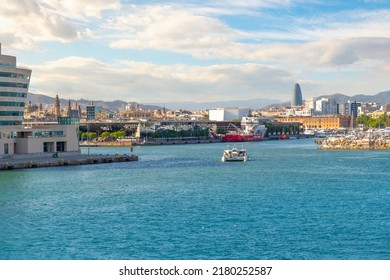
pixel 199 51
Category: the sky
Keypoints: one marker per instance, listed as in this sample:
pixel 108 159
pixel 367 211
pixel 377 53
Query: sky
pixel 199 51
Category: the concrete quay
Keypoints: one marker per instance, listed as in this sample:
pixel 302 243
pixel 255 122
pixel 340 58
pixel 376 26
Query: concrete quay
pixel 175 141
pixel 62 160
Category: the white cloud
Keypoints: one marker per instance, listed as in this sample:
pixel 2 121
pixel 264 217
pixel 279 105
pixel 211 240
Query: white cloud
pixel 323 41
pixel 76 77
pixel 81 8
pixel 27 23
pixel 165 28
pixel 327 53
pixel 347 24
pixel 352 41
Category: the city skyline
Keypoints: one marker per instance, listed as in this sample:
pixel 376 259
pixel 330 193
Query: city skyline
pixel 153 51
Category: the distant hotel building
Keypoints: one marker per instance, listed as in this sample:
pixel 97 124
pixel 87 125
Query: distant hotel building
pixel 36 138
pixel 319 122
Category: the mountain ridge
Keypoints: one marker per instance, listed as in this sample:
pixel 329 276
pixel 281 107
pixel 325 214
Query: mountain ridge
pixel 255 103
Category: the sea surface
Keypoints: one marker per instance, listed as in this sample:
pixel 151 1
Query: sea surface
pixel 290 201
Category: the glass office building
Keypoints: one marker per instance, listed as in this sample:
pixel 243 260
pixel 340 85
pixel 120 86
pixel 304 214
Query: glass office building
pixel 14 83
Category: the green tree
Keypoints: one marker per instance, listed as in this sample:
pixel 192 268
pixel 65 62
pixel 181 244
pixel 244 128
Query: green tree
pixel 118 134
pixel 89 135
pixel 105 134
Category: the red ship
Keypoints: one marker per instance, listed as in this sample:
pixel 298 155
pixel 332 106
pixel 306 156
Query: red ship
pixel 251 133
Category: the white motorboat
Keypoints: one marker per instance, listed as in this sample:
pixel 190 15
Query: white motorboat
pixel 234 154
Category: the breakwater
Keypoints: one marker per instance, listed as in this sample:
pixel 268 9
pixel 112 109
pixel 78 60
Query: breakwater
pixel 78 160
pixel 346 144
pixel 353 143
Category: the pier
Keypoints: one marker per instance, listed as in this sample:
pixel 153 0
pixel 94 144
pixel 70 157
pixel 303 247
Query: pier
pixel 44 161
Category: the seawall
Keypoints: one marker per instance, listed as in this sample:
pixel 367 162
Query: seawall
pixel 74 160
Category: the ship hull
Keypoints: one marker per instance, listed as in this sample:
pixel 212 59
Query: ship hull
pixel 241 137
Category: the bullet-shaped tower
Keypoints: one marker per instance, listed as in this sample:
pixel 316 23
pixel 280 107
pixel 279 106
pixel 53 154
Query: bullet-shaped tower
pixel 296 96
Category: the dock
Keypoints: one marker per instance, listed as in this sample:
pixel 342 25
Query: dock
pixel 37 162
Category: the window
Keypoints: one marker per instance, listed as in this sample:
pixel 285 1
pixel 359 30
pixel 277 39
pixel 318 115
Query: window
pixel 13 75
pixel 6 151
pixel 61 146
pixel 48 147
pixel 11 113
pixel 10 123
pixel 13 94
pixel 12 104
pixel 14 85
pixel 58 133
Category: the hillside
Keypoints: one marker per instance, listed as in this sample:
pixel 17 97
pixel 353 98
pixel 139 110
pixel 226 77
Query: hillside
pixel 119 105
pixel 250 103
pixel 116 105
pixel 382 97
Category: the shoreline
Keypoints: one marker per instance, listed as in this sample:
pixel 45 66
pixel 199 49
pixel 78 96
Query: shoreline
pixel 180 141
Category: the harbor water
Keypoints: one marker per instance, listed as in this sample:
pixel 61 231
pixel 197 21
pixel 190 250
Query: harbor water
pixel 289 201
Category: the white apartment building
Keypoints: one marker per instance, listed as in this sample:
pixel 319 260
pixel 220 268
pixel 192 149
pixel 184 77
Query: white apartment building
pixel 228 114
pixel 326 106
pixel 310 103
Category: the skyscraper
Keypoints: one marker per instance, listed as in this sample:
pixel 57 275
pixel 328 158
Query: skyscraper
pixel 296 96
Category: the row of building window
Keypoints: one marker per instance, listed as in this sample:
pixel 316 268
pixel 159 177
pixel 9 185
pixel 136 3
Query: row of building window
pixel 6 65
pixel 14 75
pixel 40 134
pixel 13 85
pixel 7 135
pixel 10 123
pixel 48 147
pixel 11 104
pixel 68 120
pixel 11 113
pixel 13 94
pixel 56 133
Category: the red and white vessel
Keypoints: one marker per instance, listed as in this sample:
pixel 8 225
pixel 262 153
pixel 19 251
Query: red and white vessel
pixel 252 131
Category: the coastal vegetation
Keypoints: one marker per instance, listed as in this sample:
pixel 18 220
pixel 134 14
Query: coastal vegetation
pixel 91 135
pixel 382 121
pixel 196 131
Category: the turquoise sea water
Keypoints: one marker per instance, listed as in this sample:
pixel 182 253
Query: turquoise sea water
pixel 290 201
